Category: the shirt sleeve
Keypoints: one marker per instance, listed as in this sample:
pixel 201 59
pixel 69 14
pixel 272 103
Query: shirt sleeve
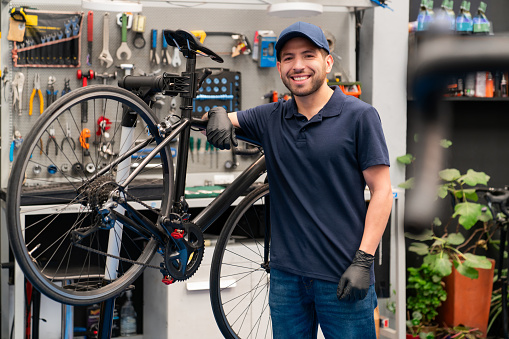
pixel 371 146
pixel 253 121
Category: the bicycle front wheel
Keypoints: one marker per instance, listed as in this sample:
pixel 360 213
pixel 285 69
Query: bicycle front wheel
pixel 58 196
pixel 239 277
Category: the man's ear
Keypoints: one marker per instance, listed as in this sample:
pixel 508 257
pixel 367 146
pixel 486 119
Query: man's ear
pixel 329 60
pixel 278 65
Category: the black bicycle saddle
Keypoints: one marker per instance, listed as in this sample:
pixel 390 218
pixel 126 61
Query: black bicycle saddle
pixel 187 43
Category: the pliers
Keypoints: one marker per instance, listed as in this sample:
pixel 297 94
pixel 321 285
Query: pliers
pixel 51 139
pixel 51 94
pixel 68 138
pixel 37 88
pixel 17 88
pixel 67 88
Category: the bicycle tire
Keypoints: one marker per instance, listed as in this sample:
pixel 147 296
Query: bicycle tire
pixel 239 276
pixel 44 247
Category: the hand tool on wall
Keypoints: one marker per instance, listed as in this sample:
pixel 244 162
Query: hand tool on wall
pixel 60 48
pixel 67 88
pixel 154 58
pixel 51 94
pixel 75 31
pixel 70 45
pixel 17 89
pixel 165 55
pixel 51 140
pixel 191 147
pixel 17 140
pixel 37 89
pixel 53 50
pixel 139 28
pixel 105 76
pixel 124 49
pixel 198 146
pixel 175 61
pixel 105 55
pixel 90 36
pixel 241 46
pixel 84 105
pixel 68 138
pixel 128 68
pixel 84 137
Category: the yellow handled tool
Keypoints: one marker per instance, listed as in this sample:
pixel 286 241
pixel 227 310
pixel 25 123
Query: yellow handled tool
pixel 37 88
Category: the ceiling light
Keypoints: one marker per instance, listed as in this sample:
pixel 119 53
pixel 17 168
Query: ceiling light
pixel 112 5
pixel 295 9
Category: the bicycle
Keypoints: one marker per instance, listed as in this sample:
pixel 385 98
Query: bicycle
pixel 96 252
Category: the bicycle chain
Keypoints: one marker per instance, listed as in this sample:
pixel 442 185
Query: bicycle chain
pixel 134 262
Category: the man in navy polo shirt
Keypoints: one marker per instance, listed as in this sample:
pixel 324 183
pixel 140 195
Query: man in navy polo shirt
pixel 322 148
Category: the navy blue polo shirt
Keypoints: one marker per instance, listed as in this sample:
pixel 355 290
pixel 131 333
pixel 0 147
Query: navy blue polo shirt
pixel 316 182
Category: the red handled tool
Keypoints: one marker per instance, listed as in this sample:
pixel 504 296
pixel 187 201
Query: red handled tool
pixel 90 36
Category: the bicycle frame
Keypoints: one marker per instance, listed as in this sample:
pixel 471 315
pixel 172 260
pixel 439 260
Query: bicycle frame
pixel 182 129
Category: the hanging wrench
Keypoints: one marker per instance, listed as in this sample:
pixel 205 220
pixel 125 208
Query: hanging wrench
pixel 105 55
pixel 123 46
pixel 175 61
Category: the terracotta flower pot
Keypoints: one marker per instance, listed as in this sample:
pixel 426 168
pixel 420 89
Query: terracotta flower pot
pixel 468 300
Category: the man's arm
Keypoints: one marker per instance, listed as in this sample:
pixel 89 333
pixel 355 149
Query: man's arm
pixel 220 129
pixel 354 283
pixel 379 183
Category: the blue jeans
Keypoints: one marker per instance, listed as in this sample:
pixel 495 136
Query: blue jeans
pixel 298 304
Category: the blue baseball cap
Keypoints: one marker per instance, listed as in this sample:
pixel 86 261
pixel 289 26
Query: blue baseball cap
pixel 305 30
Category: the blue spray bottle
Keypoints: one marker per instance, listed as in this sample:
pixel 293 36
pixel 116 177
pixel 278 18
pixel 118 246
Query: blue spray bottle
pixel 464 23
pixel 425 16
pixel 481 23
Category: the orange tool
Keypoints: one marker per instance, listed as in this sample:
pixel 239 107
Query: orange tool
pixel 84 137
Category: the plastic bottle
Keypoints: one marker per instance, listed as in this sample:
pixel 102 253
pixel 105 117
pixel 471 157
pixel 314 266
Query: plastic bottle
pixel 464 23
pixel 481 24
pixel 127 317
pixel 444 17
pixel 425 15
pixel 503 86
pixel 489 85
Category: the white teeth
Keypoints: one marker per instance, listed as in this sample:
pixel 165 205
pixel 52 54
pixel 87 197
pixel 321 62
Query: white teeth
pixel 300 78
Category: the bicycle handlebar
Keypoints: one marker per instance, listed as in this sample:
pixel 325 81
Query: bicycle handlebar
pixel 498 196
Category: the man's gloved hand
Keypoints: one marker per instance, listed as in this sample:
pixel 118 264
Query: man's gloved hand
pixel 354 283
pixel 220 131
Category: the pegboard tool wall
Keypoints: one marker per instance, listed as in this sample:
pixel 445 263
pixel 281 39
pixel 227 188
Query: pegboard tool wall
pixel 256 81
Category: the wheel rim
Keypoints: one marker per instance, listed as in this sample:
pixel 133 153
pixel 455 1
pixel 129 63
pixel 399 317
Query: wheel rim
pixel 47 255
pixel 241 282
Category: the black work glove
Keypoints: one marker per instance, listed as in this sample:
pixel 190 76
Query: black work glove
pixel 354 283
pixel 220 131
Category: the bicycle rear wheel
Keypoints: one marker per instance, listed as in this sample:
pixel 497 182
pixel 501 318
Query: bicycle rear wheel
pixel 239 277
pixel 56 197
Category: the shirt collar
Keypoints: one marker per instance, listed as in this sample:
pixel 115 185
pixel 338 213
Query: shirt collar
pixel 332 108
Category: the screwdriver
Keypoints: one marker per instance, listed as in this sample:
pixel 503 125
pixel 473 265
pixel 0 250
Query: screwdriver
pixel 207 147
pixel 198 146
pixel 191 147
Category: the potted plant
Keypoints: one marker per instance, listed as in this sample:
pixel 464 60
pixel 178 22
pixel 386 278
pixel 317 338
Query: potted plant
pixel 460 332
pixel 426 294
pixel 450 255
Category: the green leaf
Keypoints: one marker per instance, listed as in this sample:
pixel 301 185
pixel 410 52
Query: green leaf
pixel 419 248
pixel 469 213
pixel 409 184
pixel 449 174
pixel 416 137
pixel 468 193
pixel 485 214
pixel 406 159
pixel 443 190
pixel 455 239
pixel 443 266
pixel 476 261
pixel 425 235
pixel 430 259
pixel 467 271
pixel 473 178
pixel 437 222
pixel 445 143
